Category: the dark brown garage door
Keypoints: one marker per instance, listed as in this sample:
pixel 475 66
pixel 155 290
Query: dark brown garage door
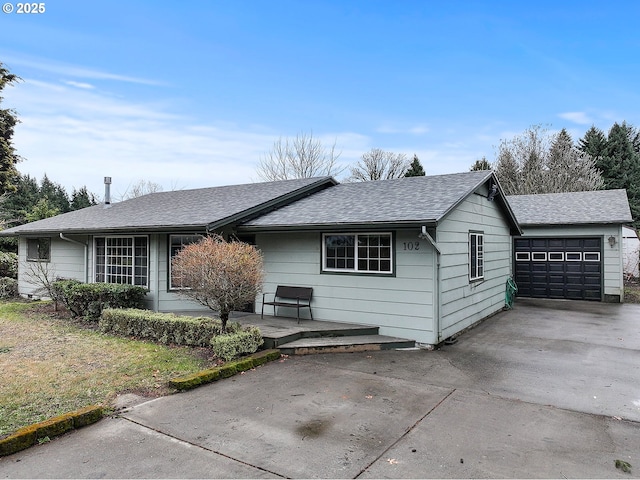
pixel 559 267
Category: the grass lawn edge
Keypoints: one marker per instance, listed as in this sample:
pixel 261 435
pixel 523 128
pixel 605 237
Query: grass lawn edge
pixel 43 431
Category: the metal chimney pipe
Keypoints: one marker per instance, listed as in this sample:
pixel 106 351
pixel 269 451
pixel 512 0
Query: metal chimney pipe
pixel 107 192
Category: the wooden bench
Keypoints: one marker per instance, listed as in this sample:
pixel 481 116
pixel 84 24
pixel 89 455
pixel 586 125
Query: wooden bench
pixel 285 296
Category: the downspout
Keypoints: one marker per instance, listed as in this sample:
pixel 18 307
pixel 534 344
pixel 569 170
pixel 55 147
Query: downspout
pixel 86 253
pixel 436 284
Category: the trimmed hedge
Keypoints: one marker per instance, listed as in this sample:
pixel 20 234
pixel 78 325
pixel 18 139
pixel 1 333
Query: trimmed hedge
pixel 164 328
pixel 231 345
pixel 89 299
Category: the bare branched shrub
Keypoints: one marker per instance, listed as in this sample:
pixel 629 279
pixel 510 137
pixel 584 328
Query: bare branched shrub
pixel 42 276
pixel 223 276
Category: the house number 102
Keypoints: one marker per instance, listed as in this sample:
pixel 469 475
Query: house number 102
pixel 411 246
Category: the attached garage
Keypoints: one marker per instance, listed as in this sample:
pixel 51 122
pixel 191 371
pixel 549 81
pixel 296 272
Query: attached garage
pixel 571 246
pixel 568 268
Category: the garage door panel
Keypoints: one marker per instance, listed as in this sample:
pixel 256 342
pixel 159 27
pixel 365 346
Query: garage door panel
pixel 592 244
pixel 559 267
pixel 574 267
pixel 556 268
pixel 594 268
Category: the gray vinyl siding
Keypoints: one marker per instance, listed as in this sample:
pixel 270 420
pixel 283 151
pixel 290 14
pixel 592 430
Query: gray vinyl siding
pixel 465 302
pixel 162 298
pixel 613 283
pixel 66 261
pixel 401 305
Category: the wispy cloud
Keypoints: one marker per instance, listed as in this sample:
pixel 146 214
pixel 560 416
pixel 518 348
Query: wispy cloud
pixel 581 118
pixel 67 70
pixel 79 135
pixel 86 86
pixel 419 129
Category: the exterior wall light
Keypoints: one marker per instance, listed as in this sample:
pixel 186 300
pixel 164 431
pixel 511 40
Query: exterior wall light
pixel 612 241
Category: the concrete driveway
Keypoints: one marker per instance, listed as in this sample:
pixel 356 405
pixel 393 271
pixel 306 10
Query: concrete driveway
pixel 550 389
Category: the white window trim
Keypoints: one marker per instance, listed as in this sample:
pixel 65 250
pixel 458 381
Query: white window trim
pixel 170 279
pixel 587 256
pixel 479 257
pixel 355 263
pixel 523 257
pixel 578 254
pixel 133 269
pixel 538 256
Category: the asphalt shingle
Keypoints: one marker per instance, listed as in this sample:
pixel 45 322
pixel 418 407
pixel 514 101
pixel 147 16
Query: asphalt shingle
pixel 412 199
pixel 599 206
pixel 176 209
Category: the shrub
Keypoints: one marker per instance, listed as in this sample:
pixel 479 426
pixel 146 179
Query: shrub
pixel 164 328
pixel 222 276
pixel 231 345
pixel 89 299
pixel 8 287
pixel 8 264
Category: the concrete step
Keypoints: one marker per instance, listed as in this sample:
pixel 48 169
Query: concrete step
pixel 276 338
pixel 355 343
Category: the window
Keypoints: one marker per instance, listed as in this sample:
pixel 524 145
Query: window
pixel 176 243
pixel 523 256
pixel 122 260
pixel 358 253
pixel 591 256
pixel 38 249
pixel 476 256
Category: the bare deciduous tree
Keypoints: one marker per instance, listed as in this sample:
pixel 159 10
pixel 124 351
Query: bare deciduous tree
pixel 538 162
pixel 223 276
pixel 140 188
pixel 301 157
pixel 378 164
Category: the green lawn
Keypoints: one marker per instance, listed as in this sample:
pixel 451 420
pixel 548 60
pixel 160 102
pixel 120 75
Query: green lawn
pixel 51 365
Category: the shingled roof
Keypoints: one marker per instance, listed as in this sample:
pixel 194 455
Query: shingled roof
pixel 398 201
pixel 599 206
pixel 198 209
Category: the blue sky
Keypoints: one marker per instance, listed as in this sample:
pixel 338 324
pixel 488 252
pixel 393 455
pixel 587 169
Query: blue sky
pixel 191 94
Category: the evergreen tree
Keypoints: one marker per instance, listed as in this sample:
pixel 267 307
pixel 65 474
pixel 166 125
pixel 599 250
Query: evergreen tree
pixel 593 143
pixel 82 198
pixel 482 164
pixel 8 120
pixel 41 210
pixel 415 169
pixel 17 203
pixel 621 164
pixel 57 195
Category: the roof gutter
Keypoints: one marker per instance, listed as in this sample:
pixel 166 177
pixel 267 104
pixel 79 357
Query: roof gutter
pixel 86 254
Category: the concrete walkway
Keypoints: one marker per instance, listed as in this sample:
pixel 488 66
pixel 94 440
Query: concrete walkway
pixel 548 390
